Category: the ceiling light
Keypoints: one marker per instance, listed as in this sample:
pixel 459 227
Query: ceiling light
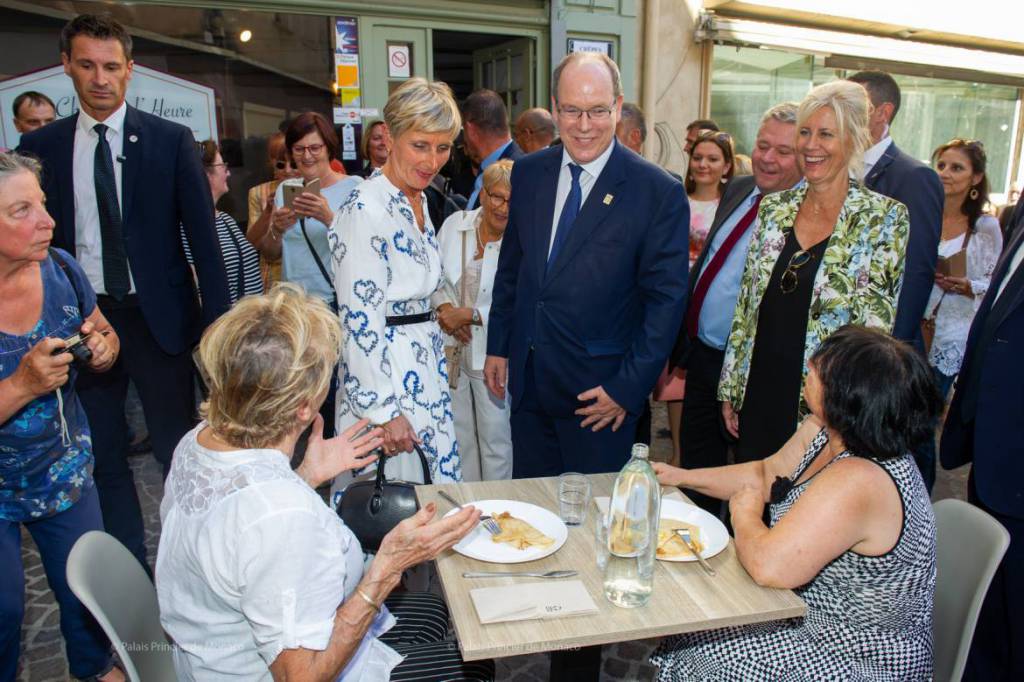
pixel 245 36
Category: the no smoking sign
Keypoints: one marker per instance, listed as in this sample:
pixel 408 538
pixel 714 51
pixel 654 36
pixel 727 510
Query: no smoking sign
pixel 398 61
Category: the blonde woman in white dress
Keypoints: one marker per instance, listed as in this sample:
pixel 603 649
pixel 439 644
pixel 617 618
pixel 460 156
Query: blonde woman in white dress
pixel 387 265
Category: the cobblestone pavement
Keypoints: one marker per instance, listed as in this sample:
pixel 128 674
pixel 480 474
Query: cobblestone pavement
pixel 43 651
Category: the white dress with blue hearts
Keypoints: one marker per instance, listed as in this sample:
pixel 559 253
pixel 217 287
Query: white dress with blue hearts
pixel 384 266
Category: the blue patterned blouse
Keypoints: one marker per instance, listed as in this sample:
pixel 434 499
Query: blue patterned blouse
pixel 42 473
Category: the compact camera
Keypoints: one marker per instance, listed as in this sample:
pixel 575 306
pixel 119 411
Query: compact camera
pixel 75 345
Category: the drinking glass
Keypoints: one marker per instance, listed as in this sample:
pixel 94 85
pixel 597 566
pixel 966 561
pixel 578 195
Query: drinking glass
pixel 573 498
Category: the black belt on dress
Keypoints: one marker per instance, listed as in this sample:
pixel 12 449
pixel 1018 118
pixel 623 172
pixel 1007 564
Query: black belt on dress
pixel 400 320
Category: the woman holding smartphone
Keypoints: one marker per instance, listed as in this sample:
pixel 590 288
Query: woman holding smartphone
pixel 299 223
pixel 298 226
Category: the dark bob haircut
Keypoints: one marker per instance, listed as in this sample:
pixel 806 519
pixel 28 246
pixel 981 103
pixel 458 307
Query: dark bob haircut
pixel 878 393
pixel 96 26
pixel 311 122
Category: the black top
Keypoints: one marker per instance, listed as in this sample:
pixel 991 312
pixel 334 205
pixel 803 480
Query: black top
pixel 771 404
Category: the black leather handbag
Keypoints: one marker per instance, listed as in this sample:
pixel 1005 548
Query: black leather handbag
pixel 372 508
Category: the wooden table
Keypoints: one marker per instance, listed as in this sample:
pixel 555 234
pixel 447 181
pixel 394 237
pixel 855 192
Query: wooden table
pixel 685 598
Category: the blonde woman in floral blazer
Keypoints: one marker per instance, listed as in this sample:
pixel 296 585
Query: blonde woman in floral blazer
pixel 860 273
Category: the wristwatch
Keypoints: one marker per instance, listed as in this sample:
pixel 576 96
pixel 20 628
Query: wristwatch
pixel 477 320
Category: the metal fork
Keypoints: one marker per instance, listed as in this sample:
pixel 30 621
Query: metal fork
pixel 488 521
pixel 684 533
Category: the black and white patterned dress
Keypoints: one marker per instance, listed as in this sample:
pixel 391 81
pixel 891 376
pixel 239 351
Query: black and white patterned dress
pixel 868 618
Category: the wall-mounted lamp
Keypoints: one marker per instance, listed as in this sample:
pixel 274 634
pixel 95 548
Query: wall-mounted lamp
pixel 245 36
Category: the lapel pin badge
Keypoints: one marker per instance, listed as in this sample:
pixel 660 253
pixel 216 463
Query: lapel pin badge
pixel 133 138
pixel 608 199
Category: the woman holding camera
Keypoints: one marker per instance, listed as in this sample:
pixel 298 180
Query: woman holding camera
pixel 45 448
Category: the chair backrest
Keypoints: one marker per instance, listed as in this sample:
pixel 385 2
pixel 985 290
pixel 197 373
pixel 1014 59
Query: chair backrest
pixel 109 581
pixel 970 545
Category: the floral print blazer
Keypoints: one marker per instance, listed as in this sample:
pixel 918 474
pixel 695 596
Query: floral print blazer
pixel 858 281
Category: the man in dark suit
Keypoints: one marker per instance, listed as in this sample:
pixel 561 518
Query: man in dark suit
pixel 591 284
pixel 891 172
pixel 486 135
pixel 983 426
pixel 715 286
pixel 118 183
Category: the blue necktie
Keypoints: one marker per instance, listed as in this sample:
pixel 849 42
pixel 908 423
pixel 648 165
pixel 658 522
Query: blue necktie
pixel 570 210
pixel 115 261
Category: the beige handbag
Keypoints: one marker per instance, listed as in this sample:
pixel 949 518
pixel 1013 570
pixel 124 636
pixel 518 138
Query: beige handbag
pixel 453 354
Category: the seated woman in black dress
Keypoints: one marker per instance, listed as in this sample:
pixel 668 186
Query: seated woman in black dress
pixel 851 527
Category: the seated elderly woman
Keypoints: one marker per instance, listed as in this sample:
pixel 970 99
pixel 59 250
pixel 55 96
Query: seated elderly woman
pixel 851 528
pixel 257 578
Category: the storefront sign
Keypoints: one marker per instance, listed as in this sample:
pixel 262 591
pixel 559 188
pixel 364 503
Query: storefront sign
pixel 600 46
pixel 149 90
pixel 398 61
pixel 346 61
pixel 348 143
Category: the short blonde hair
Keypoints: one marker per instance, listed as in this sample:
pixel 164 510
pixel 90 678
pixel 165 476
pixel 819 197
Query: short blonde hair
pixel 264 359
pixel 849 102
pixel 426 106
pixel 498 173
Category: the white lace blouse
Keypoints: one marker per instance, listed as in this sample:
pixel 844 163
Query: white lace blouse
pixel 956 312
pixel 252 562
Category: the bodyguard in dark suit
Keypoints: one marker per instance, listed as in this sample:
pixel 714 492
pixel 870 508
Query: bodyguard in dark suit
pixel 715 286
pixel 486 135
pixel 591 284
pixel 983 426
pixel 891 172
pixel 118 183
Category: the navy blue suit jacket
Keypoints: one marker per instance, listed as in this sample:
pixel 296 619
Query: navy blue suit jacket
pixel 992 438
pixel 163 186
pixel 606 312
pixel 916 186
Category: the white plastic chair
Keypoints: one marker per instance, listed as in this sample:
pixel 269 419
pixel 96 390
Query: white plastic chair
pixel 109 581
pixel 970 545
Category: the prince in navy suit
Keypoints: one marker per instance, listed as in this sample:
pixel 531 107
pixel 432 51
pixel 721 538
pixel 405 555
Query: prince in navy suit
pixel 119 183
pixel 591 284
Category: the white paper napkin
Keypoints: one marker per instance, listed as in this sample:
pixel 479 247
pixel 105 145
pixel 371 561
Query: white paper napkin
pixel 554 599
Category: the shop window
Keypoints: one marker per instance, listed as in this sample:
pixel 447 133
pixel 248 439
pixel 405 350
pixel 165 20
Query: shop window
pixel 747 81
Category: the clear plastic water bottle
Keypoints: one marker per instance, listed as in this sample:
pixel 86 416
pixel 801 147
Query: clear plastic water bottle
pixel 633 516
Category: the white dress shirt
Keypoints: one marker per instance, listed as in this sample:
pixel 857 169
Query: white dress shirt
pixel 872 155
pixel 587 179
pixel 88 241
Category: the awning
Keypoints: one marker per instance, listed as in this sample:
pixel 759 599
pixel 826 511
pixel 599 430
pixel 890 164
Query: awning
pixel 857 51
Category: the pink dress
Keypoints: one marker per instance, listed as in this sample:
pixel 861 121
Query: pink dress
pixel 702 214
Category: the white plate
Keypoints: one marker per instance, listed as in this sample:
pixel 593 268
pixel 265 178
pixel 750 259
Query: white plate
pixel 713 534
pixel 478 544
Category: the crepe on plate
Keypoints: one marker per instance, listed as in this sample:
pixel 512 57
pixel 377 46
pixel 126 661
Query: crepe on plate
pixel 670 544
pixel 519 533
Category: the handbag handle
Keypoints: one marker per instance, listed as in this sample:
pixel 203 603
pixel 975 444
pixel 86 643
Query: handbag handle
pixel 381 478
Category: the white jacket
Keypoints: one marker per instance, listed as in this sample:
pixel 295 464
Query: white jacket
pixel 451 235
